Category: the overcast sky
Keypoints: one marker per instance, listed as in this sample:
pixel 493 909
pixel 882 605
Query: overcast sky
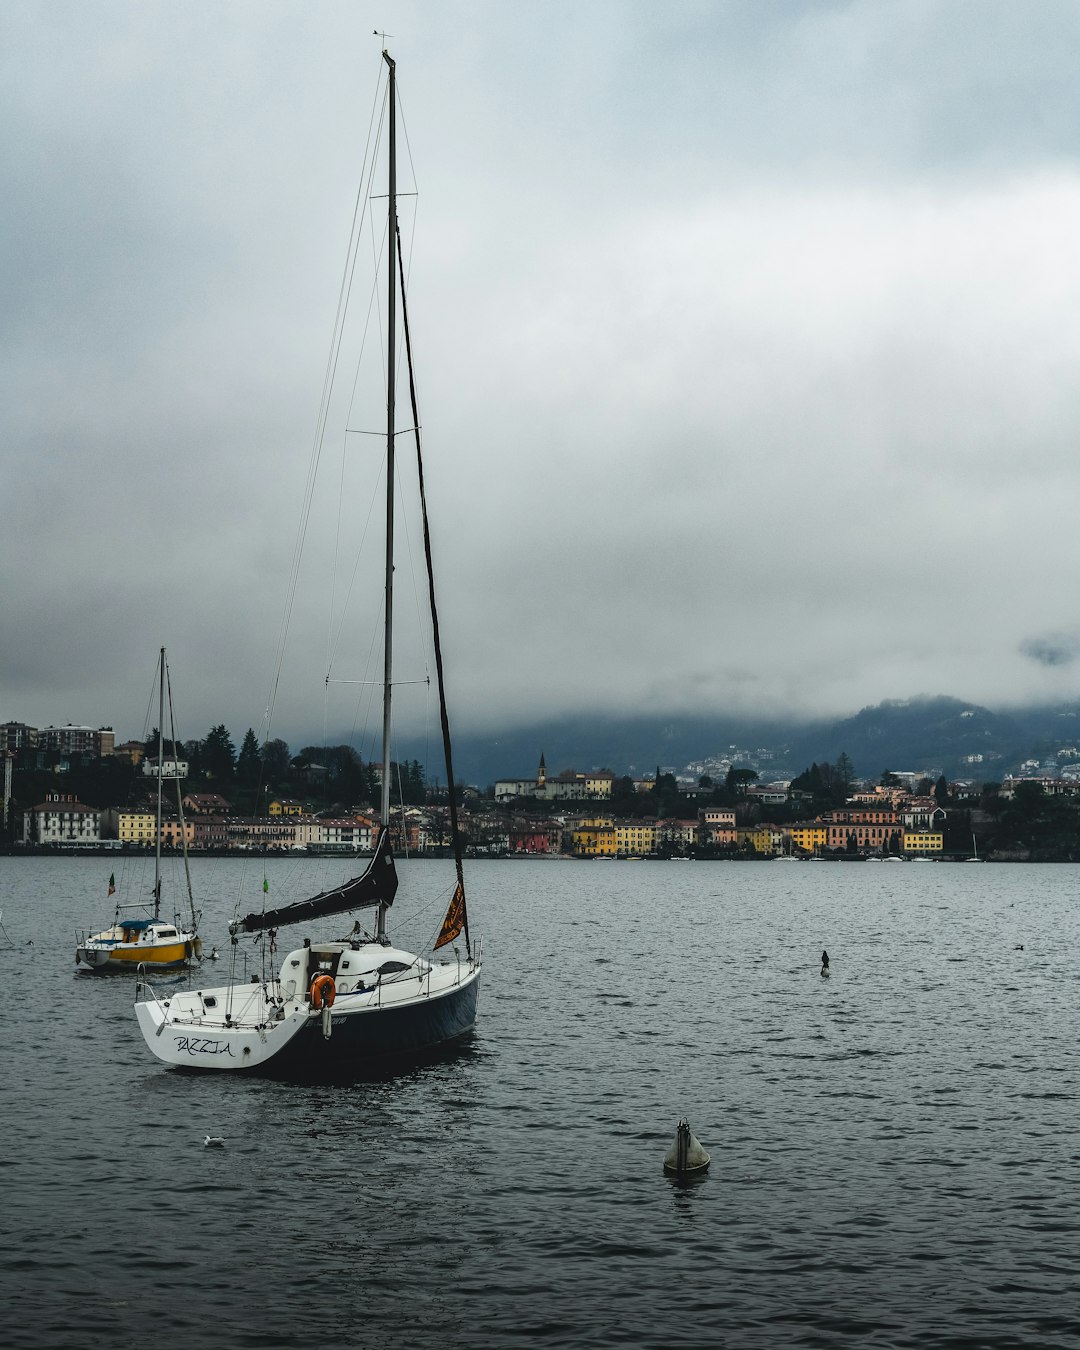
pixel 748 339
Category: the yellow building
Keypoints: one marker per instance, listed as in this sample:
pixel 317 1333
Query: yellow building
pixel 595 839
pixel 283 807
pixel 808 838
pixel 922 841
pixel 635 838
pixel 136 827
pixel 764 839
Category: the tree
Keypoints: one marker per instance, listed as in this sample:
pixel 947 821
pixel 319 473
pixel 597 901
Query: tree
pixel 414 789
pixel 738 780
pixel 941 791
pixel 666 794
pixel 276 759
pixel 193 755
pixel 249 760
pixel 169 749
pixel 990 799
pixel 344 771
pixel 219 754
pixel 827 784
pixel 845 775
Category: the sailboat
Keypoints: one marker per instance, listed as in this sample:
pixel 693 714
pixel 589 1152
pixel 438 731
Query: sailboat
pixel 138 934
pixel 341 1004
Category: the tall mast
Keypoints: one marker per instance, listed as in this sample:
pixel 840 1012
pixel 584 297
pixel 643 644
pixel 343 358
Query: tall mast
pixel 391 323
pixel 160 781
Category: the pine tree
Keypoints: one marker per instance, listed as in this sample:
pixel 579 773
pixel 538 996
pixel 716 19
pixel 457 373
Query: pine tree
pixel 219 754
pixel 249 760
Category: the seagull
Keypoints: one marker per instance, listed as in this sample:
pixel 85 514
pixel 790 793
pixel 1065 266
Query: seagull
pixel 212 1141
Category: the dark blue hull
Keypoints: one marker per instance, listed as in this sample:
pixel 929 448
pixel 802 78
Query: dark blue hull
pixel 379 1037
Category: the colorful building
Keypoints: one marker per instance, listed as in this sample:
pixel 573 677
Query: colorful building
pixel 635 838
pixel 921 842
pixel 810 838
pixel 136 827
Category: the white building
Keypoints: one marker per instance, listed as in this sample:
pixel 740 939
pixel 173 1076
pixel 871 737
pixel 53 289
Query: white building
pixel 171 768
pixel 61 819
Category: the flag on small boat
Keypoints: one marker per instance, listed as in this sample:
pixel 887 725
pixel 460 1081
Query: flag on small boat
pixel 112 883
pixel 455 918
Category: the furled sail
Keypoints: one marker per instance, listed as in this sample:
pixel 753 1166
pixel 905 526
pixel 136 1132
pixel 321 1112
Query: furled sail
pixel 377 885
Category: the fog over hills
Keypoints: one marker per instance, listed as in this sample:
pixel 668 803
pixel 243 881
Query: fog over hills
pixel 936 733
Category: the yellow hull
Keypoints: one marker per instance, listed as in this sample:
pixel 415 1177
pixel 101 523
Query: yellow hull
pixel 161 954
pixel 104 952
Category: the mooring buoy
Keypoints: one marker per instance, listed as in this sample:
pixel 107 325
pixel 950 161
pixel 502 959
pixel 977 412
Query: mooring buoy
pixel 686 1156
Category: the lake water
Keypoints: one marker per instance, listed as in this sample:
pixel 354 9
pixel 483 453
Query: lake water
pixel 894 1149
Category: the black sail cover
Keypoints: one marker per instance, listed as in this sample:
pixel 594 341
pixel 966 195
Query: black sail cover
pixel 377 885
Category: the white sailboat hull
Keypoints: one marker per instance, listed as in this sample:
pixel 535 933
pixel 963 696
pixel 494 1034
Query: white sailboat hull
pixel 245 1027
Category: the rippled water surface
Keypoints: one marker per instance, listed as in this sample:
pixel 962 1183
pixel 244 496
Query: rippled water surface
pixel 894 1149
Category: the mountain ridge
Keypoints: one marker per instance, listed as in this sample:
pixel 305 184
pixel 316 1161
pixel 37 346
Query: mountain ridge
pixel 937 733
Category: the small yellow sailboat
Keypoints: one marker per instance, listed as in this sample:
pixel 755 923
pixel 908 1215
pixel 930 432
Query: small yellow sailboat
pixel 131 940
pixel 138 933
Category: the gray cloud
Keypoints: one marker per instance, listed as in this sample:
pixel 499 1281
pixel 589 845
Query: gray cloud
pixel 1057 650
pixel 746 342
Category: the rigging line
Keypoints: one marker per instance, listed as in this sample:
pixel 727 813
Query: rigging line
pixel 444 717
pixel 179 802
pixel 148 714
pixel 360 431
pixel 378 684
pixel 362 709
pixel 334 636
pixel 359 207
pixel 412 170
pixel 372 306
pixel 367 698
pixel 412 572
pixel 401 804
pixel 374 296
pixel 378 248
pixel 316 452
pixel 401 354
pixel 405 354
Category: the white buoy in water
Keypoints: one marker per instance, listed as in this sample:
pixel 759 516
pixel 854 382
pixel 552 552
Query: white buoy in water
pixel 212 1141
pixel 686 1155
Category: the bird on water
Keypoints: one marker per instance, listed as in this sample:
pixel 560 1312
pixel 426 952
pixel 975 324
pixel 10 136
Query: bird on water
pixel 824 963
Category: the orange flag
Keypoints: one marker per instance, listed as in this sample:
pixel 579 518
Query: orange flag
pixel 455 918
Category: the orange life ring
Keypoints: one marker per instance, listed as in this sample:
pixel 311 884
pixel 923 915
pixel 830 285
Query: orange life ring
pixel 323 991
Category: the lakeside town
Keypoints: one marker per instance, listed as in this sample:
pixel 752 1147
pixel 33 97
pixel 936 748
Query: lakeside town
pixel 218 802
